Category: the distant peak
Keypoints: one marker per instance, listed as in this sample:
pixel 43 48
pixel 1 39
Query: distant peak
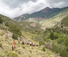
pixel 46 10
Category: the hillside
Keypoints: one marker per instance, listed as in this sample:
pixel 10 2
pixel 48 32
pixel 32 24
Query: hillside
pixel 57 37
pixel 62 26
pixel 25 26
pixel 45 13
pixel 21 50
pixel 50 22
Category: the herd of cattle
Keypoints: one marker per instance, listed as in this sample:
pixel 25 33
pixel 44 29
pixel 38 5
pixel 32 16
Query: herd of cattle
pixel 31 44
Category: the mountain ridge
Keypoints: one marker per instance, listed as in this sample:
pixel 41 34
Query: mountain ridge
pixel 40 15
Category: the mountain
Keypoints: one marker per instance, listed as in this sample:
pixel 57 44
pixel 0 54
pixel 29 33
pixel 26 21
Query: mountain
pixel 40 15
pixel 50 22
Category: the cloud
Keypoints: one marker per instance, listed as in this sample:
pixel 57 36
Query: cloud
pixel 57 3
pixel 14 8
pixel 15 3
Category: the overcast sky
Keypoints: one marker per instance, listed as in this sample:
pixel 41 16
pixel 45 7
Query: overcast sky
pixel 14 8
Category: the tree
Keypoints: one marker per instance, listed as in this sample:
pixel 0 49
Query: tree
pixel 52 35
pixel 1 20
pixel 15 36
pixel 15 29
pixel 6 24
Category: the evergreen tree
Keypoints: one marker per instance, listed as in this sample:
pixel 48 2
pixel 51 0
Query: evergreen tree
pixel 1 20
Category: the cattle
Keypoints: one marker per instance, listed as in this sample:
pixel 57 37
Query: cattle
pixel 23 43
pixel 27 43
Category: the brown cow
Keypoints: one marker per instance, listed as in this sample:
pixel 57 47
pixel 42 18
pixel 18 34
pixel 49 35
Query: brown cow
pixel 27 43
pixel 23 43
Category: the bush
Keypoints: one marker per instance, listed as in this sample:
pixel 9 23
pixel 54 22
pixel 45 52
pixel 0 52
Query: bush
pixel 30 51
pixel 23 47
pixel 15 29
pixel 0 44
pixel 41 43
pixel 2 33
pixel 60 40
pixel 43 49
pixel 1 20
pixel 62 51
pixel 53 35
pixel 66 41
pixel 56 35
pixel 6 24
pixel 6 37
pixel 12 55
pixel 15 36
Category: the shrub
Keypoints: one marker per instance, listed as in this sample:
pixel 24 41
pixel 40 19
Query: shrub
pixel 6 24
pixel 6 37
pixel 10 54
pixel 48 40
pixel 62 51
pixel 66 41
pixel 18 41
pixel 15 36
pixel 0 44
pixel 15 29
pixel 53 35
pixel 43 49
pixel 1 20
pixel 56 35
pixel 23 47
pixel 60 40
pixel 30 51
pixel 41 42
pixel 2 33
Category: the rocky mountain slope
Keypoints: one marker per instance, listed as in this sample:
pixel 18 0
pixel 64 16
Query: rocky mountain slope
pixel 40 15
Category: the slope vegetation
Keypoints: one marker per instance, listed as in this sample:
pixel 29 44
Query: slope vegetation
pixel 21 50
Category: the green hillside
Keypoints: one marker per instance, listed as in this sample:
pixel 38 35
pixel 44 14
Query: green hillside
pixel 57 37
pixel 50 22
pixel 6 41
pixel 25 26
pixel 22 50
pixel 62 26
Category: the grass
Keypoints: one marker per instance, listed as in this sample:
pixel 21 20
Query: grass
pixel 28 51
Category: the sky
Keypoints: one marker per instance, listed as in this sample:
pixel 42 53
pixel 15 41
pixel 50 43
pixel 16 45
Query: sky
pixel 15 8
